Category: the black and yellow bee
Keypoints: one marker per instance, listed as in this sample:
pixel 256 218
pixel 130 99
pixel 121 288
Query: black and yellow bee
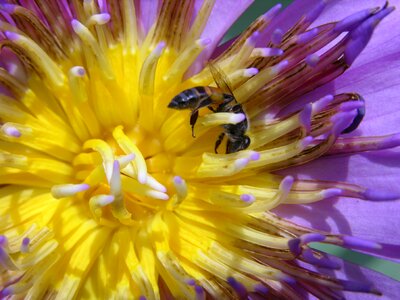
pixel 217 100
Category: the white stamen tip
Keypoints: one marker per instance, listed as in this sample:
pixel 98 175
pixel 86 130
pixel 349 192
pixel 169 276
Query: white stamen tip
pixel 250 72
pixel 103 200
pixel 67 190
pixel 306 141
pixel 76 25
pixel 203 42
pixel 11 130
pixel 142 177
pixel 78 71
pixel 100 19
pixel 154 184
pixel 159 48
pixel 280 66
pixel 236 118
pixel 125 160
pixel 157 195
pixel 333 192
pixel 247 198
pixel 240 163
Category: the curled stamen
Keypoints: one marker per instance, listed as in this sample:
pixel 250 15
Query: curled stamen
pixel 99 201
pixel 321 104
pixel 148 71
pixel 68 190
pixel 185 59
pixel 360 36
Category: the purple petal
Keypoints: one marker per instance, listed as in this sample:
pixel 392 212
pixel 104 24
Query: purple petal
pixel 146 12
pixel 223 15
pixel 376 76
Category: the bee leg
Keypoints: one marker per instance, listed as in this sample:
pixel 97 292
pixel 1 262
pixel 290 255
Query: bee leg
pixel 219 141
pixel 212 108
pixel 193 120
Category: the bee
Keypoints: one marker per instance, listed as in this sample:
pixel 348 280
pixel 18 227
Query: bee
pixel 220 99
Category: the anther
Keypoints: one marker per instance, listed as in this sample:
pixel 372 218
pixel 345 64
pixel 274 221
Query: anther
pixel 250 72
pixel 238 287
pixel 99 201
pixel 376 195
pixel 312 60
pixel 200 294
pixel 358 243
pixel 341 121
pixel 87 37
pixel 332 192
pixel 322 261
pixel 321 104
pixel 68 190
pixel 305 118
pixel 266 52
pixel 126 159
pixel 10 130
pixel 305 142
pixel 25 245
pixel 77 86
pixel 241 163
pixel 180 187
pixel 154 184
pixel 98 19
pixel 277 36
pixel 307 36
pixel 248 198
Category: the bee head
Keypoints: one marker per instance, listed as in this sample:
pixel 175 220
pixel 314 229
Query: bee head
pixel 238 145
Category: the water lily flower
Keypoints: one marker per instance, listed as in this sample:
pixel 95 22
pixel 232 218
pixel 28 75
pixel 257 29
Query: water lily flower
pixel 105 193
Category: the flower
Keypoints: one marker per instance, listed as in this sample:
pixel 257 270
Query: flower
pixel 106 194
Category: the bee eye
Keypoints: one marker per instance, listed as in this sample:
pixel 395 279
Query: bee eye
pixel 246 142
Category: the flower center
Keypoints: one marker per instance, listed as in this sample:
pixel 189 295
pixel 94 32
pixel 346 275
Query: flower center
pixel 125 176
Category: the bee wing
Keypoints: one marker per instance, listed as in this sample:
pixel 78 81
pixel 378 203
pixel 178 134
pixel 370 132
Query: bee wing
pixel 220 78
